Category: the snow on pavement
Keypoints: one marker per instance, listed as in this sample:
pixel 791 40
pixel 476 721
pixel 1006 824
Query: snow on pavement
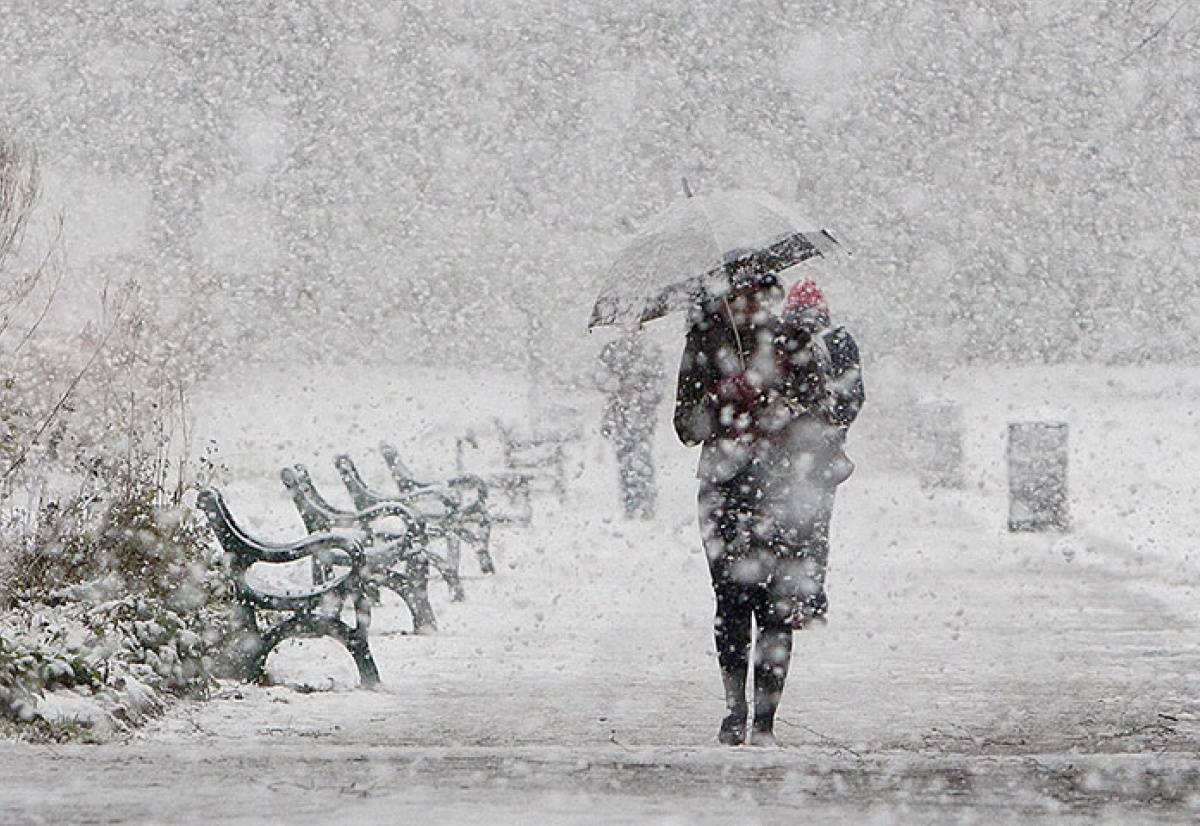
pixel 965 674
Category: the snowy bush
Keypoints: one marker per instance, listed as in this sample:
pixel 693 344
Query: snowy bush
pixel 88 639
pixel 108 583
pixel 111 590
pixel 29 668
pixel 111 527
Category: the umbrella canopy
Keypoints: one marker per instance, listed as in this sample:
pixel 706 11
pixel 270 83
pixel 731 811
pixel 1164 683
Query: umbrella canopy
pixel 685 251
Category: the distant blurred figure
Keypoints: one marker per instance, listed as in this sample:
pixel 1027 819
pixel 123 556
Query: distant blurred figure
pixel 632 376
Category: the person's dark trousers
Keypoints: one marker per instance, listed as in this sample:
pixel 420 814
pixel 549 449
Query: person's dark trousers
pixel 761 574
pixel 635 469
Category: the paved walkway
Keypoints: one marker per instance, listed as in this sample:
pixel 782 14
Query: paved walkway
pixel 965 674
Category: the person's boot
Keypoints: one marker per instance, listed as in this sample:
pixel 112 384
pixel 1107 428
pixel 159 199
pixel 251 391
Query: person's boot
pixel 763 735
pixel 733 727
pixel 770 673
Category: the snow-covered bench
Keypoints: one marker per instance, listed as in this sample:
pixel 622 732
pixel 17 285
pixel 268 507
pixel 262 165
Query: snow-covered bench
pixel 542 457
pixel 1038 494
pixel 469 492
pixel 514 502
pixel 517 466
pixel 936 446
pixel 394 538
pixel 443 519
pixel 316 510
pixel 311 612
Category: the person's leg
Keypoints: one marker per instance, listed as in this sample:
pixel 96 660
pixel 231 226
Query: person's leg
pixel 795 590
pixel 731 632
pixel 721 520
pixel 772 657
pixel 773 608
pixel 642 469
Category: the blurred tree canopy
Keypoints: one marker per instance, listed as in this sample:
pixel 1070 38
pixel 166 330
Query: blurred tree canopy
pixel 369 179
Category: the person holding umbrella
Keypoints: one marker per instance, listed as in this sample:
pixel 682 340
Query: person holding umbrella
pixel 726 372
pixel 744 383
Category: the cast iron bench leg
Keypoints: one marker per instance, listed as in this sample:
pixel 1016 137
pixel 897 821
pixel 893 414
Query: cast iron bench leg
pixel 411 587
pixel 255 646
pixel 448 567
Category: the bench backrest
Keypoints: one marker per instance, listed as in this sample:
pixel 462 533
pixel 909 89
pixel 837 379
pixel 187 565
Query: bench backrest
pixel 244 551
pixel 360 493
pixel 317 513
pixel 400 473
pixel 470 490
pixel 231 537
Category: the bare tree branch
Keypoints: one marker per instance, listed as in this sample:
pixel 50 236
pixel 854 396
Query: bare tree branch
pixel 20 186
pixel 37 277
pixel 1161 28
pixel 48 419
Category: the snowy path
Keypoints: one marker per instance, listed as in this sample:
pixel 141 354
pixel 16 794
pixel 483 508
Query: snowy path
pixel 963 672
pixel 965 675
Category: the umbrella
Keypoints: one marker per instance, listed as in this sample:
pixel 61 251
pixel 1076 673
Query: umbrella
pixel 689 250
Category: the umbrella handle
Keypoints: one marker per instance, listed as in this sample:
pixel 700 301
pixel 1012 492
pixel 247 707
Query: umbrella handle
pixel 737 337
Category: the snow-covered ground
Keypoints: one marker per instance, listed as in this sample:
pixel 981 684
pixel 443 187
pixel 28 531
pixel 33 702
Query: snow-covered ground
pixel 966 675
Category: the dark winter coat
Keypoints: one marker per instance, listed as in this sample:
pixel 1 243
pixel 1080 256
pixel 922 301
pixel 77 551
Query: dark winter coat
pixel 812 442
pixel 845 383
pixel 787 399
pixel 723 380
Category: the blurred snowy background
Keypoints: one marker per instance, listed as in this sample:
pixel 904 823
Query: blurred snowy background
pixel 441 182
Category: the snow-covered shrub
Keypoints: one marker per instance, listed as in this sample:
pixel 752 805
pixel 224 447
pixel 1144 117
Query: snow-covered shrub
pixel 125 574
pixel 165 646
pixel 99 638
pixel 29 668
pixel 114 526
pixel 108 582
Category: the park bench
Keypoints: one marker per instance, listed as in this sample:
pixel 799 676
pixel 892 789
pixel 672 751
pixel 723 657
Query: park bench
pixel 514 487
pixel 1038 493
pixel 398 560
pixel 542 457
pixel 312 612
pixel 443 519
pixel 519 467
pixel 469 492
pixel 936 445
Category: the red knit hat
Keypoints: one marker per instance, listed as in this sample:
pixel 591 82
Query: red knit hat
pixel 805 294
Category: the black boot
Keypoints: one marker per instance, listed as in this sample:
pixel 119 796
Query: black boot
pixel 733 727
pixel 763 735
pixel 771 659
